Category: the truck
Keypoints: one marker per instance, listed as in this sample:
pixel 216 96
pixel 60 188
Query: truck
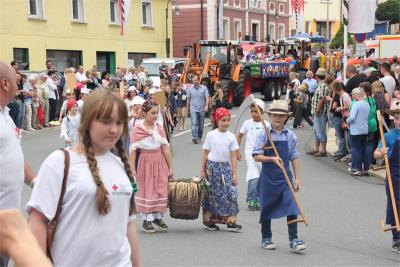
pixel 384 46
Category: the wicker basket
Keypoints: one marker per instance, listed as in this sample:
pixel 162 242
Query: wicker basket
pixel 184 199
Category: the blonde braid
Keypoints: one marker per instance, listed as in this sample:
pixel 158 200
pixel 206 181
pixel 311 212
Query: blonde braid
pixel 127 167
pixel 103 203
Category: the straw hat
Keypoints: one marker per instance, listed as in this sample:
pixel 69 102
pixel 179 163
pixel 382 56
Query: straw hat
pixel 279 107
pixel 391 112
pixel 321 72
pixel 303 87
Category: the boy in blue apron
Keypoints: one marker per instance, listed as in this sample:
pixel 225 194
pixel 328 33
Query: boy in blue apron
pixel 392 150
pixel 276 200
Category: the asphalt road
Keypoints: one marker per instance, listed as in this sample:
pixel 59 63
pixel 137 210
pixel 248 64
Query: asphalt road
pixel 344 215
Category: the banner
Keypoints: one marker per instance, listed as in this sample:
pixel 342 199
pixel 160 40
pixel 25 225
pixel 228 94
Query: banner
pixel 361 15
pixel 276 69
pixel 298 13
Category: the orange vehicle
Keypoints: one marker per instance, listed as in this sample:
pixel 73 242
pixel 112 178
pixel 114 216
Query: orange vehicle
pixel 219 61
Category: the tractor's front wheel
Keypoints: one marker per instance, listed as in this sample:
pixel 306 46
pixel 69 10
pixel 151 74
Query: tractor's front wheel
pixel 242 88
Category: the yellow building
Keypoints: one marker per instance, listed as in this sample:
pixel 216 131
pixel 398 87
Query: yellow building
pixel 85 32
pixel 316 15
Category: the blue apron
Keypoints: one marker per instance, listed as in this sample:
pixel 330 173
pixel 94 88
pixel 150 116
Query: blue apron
pixel 275 198
pixel 395 173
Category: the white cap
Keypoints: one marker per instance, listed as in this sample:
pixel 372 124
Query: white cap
pixel 68 91
pixel 138 100
pixel 260 103
pixel 85 91
pixel 152 91
pixel 132 88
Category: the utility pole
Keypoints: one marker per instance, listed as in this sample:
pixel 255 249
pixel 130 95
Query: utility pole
pixel 267 9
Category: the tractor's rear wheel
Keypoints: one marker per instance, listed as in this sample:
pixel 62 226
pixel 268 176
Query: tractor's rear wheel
pixel 242 88
pixel 269 90
pixel 228 93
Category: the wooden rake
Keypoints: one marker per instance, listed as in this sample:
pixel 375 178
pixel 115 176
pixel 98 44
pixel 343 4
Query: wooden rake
pixel 303 217
pixel 386 228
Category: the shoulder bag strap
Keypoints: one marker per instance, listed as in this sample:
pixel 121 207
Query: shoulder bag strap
pixel 51 228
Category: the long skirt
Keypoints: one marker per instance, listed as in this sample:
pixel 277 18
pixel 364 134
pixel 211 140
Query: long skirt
pixel 152 178
pixel 221 203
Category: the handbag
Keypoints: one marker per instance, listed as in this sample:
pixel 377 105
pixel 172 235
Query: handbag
pixel 52 225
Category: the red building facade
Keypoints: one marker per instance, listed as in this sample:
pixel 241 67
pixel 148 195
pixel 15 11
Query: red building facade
pixel 241 20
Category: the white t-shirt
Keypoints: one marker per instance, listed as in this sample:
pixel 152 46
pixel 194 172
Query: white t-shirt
pixel 389 83
pixel 80 77
pixel 11 162
pixel 84 237
pixel 80 105
pixel 220 145
pixel 251 130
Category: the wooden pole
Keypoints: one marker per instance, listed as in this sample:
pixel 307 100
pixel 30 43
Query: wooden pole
pixel 389 178
pixel 269 137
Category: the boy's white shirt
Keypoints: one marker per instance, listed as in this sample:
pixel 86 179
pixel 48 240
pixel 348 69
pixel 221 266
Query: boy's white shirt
pixel 251 129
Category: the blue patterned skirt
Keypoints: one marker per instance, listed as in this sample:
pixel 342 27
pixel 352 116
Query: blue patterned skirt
pixel 222 200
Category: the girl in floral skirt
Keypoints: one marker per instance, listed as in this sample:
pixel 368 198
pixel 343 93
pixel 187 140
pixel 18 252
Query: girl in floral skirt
pixel 219 167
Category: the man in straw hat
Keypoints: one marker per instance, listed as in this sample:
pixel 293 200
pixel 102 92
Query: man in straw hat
pixel 319 110
pixel 276 200
pixel 392 139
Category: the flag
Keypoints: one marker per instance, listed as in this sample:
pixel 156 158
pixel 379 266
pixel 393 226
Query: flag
pixel 361 15
pixel 124 10
pixel 298 10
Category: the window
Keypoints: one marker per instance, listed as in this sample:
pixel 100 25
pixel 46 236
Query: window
pixel 146 13
pixel 281 9
pixel 255 30
pixel 114 12
pixel 237 29
pixel 63 59
pixel 138 58
pixel 281 31
pixel 77 10
pixel 271 32
pixel 255 4
pixel 226 29
pixel 21 56
pixel 36 9
pixel 307 26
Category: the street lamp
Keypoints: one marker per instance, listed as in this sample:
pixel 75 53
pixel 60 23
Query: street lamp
pixel 167 39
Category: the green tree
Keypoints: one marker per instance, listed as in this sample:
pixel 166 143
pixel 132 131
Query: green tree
pixel 338 40
pixel 389 11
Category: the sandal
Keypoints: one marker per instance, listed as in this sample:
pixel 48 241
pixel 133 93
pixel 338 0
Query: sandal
pixel 312 152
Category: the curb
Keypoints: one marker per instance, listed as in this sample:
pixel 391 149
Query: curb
pixel 27 133
pixel 331 147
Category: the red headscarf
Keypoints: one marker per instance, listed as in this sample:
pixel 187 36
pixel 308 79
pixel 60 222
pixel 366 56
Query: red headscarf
pixel 220 113
pixel 71 103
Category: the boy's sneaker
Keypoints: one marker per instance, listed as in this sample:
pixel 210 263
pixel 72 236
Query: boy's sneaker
pixel 257 205
pixel 297 245
pixel 148 227
pixel 234 227
pixel 268 244
pixel 211 227
pixel 251 205
pixel 396 246
pixel 160 224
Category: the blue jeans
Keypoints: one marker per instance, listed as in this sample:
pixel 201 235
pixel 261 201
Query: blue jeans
pixel 337 121
pixel 266 231
pixel 320 128
pixel 359 157
pixel 252 193
pixel 197 121
pixel 370 147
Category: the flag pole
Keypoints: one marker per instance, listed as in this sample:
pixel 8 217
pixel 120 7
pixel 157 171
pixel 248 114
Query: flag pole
pixel 345 39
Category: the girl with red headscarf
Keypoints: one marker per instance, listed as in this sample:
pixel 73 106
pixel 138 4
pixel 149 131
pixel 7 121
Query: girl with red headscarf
pixel 70 124
pixel 219 167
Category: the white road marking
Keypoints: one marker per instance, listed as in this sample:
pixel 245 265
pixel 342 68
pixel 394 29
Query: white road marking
pixel 187 131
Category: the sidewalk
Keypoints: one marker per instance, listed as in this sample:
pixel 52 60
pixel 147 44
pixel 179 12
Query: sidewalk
pixel 331 147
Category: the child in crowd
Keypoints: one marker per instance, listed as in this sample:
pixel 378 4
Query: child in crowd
pixel 276 200
pixel 301 107
pixel 219 167
pixel 251 128
pixel 291 95
pixel 154 167
pixel 180 97
pixel 392 140
pixel 63 110
pixel 70 124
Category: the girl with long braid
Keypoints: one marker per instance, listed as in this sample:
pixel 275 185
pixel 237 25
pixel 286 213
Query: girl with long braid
pixel 95 227
pixel 154 167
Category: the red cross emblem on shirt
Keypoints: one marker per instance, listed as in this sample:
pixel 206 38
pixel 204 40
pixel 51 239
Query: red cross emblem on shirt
pixel 114 187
